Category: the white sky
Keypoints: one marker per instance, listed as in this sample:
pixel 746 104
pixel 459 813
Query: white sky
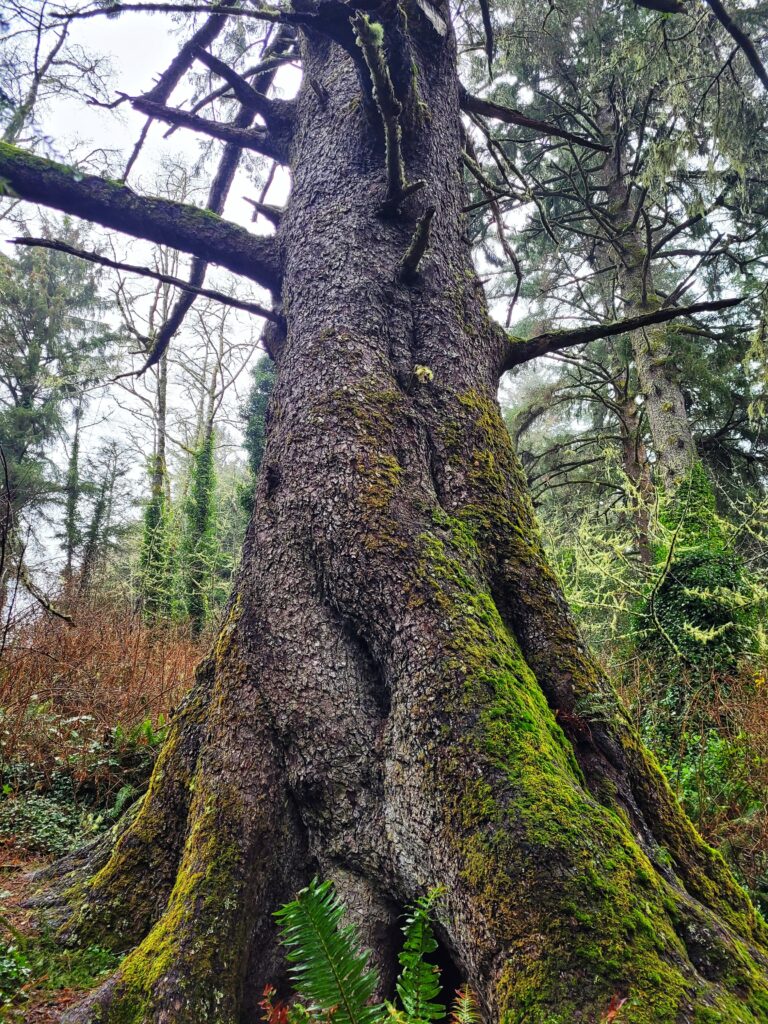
pixel 139 47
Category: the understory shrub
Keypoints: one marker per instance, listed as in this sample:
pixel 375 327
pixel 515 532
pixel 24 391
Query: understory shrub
pixel 331 973
pixel 83 713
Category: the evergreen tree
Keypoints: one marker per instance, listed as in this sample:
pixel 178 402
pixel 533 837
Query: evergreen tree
pixel 253 412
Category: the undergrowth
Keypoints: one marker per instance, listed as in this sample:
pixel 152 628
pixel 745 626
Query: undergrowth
pixel 83 713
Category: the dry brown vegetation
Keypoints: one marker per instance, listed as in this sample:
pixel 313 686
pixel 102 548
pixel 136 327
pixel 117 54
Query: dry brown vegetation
pixel 64 688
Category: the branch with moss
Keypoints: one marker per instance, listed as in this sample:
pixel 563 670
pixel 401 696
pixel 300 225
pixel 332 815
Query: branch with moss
pixel 409 265
pixel 521 350
pixel 272 14
pixel 119 208
pixel 370 39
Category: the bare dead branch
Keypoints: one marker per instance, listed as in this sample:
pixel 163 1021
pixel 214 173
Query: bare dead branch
pixel 258 139
pixel 133 268
pixel 245 93
pixel 409 265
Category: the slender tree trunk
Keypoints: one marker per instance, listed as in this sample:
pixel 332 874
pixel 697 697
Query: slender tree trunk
pixel 399 696
pixel 659 380
pixel 637 469
pixel 72 496
pixel 654 359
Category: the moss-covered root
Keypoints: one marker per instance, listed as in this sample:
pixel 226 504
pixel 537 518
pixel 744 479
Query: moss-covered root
pixel 495 514
pixel 242 854
pixel 113 900
pixel 187 968
pixel 52 887
pixel 556 910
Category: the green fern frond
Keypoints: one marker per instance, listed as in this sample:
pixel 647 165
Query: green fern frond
pixel 419 983
pixel 328 967
pixel 465 1009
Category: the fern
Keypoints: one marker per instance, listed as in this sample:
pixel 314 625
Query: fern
pixel 328 968
pixel 465 1009
pixel 419 983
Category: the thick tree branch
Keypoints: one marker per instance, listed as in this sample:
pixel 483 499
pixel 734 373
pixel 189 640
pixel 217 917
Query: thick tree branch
pixel 662 6
pixel 730 25
pixel 132 268
pixel 258 139
pixel 118 207
pixel 490 45
pixel 272 14
pixel 272 110
pixel 217 196
pixel 522 350
pixel 370 40
pixel 409 265
pixel 740 37
pixel 488 108
pixel 269 212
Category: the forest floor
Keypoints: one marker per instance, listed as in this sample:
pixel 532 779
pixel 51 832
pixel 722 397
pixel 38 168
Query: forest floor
pixel 52 984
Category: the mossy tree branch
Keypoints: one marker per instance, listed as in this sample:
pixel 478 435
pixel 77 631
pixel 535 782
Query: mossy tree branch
pixel 409 265
pixel 271 14
pixel 370 39
pixel 119 208
pixel 522 350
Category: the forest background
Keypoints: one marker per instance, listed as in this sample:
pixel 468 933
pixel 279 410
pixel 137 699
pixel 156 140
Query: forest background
pixel 128 466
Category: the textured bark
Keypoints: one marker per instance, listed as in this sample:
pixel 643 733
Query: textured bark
pixel 654 359
pixel 116 206
pixel 664 399
pixel 399 697
pixel 636 465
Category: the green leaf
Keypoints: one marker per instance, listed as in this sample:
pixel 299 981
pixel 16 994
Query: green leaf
pixel 328 967
pixel 465 1009
pixel 419 983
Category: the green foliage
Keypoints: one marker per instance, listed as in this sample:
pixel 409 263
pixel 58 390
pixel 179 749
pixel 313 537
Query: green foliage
pixel 15 971
pixel 704 605
pixel 40 823
pixel 715 773
pixel 328 967
pixel 42 962
pixel 95 778
pixel 156 561
pixel 330 970
pixel 51 345
pixel 201 555
pixel 419 983
pixel 253 413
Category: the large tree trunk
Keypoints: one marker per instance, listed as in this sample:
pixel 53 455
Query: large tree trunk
pixel 399 697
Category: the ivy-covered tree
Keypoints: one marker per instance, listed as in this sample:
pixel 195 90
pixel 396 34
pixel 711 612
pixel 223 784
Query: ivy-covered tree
pixel 254 412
